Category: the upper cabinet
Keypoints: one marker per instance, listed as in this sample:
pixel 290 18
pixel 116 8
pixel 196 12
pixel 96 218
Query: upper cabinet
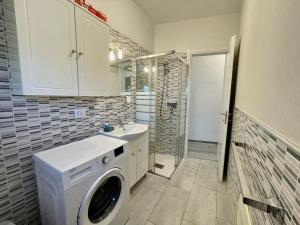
pixel 63 50
pixel 47 45
pixel 92 46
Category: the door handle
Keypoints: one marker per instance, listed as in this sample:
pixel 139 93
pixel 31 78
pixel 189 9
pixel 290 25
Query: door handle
pixel 79 54
pixel 72 53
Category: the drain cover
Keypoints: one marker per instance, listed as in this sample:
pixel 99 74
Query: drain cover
pixel 159 166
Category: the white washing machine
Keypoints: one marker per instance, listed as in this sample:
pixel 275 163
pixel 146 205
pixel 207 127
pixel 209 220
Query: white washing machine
pixel 84 183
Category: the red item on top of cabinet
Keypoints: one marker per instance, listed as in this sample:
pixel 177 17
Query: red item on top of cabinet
pixel 101 15
pixel 97 13
pixel 92 10
pixel 80 2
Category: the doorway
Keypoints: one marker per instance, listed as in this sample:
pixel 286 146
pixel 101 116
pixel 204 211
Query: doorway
pixel 206 99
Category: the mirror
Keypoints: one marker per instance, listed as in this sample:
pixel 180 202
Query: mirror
pixel 121 70
pixel 125 76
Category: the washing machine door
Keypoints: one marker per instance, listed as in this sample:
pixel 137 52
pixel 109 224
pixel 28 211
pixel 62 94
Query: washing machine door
pixel 104 199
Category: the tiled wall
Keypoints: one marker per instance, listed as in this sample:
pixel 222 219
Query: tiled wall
pixel 29 124
pixel 165 122
pixel 272 168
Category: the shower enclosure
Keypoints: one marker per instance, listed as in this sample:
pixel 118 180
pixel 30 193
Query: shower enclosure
pixel 161 102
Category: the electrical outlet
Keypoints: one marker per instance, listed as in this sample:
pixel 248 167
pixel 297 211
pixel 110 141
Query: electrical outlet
pixel 80 113
pixel 128 99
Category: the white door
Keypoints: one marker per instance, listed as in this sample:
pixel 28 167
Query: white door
pixel 206 96
pixel 225 108
pixel 93 49
pixel 47 47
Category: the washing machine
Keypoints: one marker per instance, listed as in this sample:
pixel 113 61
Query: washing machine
pixel 84 183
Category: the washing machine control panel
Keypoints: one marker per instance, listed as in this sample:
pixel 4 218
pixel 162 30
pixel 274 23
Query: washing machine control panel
pixel 106 160
pixel 110 156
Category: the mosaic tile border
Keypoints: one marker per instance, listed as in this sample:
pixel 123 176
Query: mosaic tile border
pixel 272 166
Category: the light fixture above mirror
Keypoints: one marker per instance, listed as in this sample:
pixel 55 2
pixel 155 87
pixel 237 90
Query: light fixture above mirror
pixel 115 53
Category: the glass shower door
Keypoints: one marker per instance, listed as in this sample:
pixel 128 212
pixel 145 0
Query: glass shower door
pixel 161 103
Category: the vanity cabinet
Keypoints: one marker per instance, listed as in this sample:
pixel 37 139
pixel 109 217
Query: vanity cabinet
pixel 139 162
pixel 63 50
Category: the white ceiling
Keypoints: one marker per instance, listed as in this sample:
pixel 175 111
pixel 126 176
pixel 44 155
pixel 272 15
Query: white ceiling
pixel 163 11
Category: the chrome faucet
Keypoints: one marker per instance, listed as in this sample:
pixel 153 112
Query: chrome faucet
pixel 121 123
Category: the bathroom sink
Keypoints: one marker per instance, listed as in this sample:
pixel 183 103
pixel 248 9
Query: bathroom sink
pixel 130 132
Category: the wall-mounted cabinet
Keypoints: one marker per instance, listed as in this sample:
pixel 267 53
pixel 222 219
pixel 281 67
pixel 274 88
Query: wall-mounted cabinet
pixel 92 47
pixel 63 50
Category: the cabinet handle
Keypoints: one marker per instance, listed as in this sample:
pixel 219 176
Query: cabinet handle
pixel 79 54
pixel 133 154
pixel 140 150
pixel 72 52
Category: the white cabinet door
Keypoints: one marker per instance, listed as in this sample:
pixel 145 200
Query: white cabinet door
pixel 93 49
pixel 142 156
pixel 47 44
pixel 132 163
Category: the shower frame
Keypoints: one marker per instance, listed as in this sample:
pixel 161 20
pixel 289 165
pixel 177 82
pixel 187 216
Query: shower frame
pixel 163 54
pixel 178 158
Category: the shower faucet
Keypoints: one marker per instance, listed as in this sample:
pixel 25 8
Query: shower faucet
pixel 172 103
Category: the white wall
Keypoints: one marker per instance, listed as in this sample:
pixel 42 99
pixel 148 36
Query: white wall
pixel 203 34
pixel 127 18
pixel 268 87
pixel 206 96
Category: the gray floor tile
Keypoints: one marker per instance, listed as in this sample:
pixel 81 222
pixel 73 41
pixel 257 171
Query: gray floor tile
pixel 201 209
pixel 202 146
pixel 222 206
pixel 193 197
pixel 185 222
pixel 149 223
pixel 157 183
pixel 201 155
pixel 220 221
pixel 203 150
pixel 150 181
pixel 171 207
pixel 140 220
pixel 190 163
pixel 142 205
pixel 222 188
pixel 209 163
pixel 207 175
pixel 137 187
pixel 184 177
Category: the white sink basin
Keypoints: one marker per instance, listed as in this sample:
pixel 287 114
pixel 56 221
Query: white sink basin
pixel 131 131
